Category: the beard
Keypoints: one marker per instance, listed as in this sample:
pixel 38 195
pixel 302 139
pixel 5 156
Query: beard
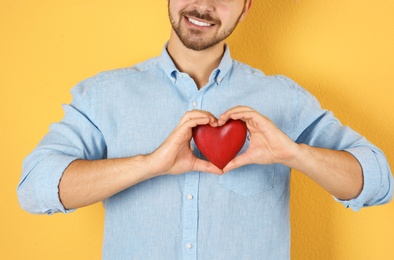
pixel 195 39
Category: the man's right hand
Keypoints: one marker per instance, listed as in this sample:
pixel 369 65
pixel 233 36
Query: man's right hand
pixel 175 156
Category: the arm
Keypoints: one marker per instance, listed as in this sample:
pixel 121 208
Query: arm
pixel 336 171
pixel 87 182
pixel 66 170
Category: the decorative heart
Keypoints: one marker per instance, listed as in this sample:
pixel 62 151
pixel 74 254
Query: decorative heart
pixel 220 144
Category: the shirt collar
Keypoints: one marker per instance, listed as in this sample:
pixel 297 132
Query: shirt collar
pixel 217 74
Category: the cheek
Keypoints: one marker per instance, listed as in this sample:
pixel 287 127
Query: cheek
pixel 224 1
pixel 176 7
pixel 227 17
pixel 233 15
pixel 180 4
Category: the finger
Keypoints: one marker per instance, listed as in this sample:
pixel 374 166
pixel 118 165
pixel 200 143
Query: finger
pixel 193 122
pixel 183 132
pixel 199 114
pixel 229 114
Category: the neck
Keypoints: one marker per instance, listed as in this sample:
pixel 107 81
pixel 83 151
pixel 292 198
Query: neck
pixel 197 64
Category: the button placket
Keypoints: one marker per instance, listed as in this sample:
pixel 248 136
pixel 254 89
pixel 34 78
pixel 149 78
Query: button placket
pixel 195 101
pixel 190 214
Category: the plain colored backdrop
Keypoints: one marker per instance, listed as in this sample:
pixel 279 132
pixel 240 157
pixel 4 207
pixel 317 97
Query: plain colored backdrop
pixel 341 51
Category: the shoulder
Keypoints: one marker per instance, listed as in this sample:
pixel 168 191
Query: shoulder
pixel 275 87
pixel 115 77
pixel 135 71
pixel 257 76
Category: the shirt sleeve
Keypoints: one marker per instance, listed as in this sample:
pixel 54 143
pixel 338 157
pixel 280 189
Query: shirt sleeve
pixel 75 137
pixel 378 179
pixel 318 127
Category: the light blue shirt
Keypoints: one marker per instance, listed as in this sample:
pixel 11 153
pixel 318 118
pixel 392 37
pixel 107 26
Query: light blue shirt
pixel 243 214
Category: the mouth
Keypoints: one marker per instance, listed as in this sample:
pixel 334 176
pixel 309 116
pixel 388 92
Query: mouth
pixel 199 23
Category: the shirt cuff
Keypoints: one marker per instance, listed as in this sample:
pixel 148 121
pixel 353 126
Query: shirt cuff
pixel 48 193
pixel 372 176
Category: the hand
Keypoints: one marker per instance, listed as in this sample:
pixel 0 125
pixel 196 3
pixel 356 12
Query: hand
pixel 268 144
pixel 174 156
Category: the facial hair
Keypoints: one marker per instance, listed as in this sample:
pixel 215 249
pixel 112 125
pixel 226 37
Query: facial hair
pixel 195 39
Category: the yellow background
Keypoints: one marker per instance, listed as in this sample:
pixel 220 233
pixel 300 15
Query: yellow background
pixel 341 51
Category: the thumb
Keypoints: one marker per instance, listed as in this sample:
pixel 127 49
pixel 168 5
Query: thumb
pixel 206 166
pixel 237 162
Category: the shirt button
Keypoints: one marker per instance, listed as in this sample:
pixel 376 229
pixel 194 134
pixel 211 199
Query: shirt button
pixel 189 196
pixel 194 104
pixel 188 246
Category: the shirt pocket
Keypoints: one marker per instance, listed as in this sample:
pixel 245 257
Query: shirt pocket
pixel 249 180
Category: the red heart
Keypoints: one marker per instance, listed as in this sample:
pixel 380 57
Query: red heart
pixel 220 144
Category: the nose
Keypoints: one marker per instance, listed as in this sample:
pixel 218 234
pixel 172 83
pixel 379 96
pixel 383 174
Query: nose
pixel 204 5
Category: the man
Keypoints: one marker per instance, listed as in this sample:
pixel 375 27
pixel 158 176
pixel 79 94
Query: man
pixel 126 140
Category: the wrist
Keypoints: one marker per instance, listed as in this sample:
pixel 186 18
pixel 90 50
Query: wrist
pixel 144 164
pixel 294 158
pixel 153 165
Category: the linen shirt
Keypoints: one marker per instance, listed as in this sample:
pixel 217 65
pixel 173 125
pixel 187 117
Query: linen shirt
pixel 243 214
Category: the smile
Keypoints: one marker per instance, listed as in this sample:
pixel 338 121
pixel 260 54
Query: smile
pixel 198 23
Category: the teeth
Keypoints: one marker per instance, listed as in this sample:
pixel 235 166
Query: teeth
pixel 199 23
